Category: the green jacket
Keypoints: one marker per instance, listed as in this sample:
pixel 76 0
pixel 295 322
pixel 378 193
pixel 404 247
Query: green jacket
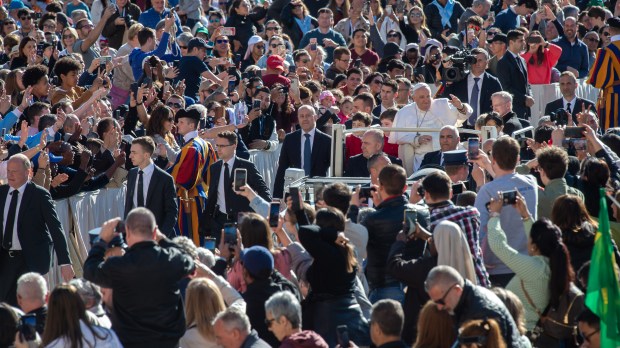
pixel 553 189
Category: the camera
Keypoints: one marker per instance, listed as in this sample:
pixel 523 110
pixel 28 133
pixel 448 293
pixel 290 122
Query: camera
pixel 560 117
pixel 461 60
pixel 127 21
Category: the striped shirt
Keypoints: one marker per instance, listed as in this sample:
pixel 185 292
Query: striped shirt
pixel 468 219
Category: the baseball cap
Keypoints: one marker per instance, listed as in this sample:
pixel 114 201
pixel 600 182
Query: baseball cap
pixel 16 5
pixel 196 43
pixel 275 62
pixel 258 261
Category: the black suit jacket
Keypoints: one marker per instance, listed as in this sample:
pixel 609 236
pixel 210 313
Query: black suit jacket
pixel 432 158
pixel 290 157
pixel 559 104
pixel 357 166
pixel 490 85
pixel 38 228
pixel 514 81
pixel 160 199
pixel 239 203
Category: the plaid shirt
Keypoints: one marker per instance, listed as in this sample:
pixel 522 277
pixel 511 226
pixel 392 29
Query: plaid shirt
pixel 468 218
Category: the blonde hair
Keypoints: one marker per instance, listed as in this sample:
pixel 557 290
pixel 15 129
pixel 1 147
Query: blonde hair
pixel 203 301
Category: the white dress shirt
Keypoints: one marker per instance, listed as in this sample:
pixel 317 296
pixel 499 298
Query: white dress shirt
pixel 146 180
pixel 470 88
pixel 189 136
pixel 221 194
pixel 7 203
pixel 572 103
pixel 303 141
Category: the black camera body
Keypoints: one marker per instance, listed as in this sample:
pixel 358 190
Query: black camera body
pixel 461 60
pixel 560 117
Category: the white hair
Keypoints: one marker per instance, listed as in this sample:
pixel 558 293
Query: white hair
pixel 32 286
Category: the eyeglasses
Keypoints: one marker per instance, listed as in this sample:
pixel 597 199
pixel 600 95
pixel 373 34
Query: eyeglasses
pixel 221 146
pixel 49 25
pixel 346 60
pixel 415 15
pixel 25 18
pixel 393 35
pixel 8 23
pixel 475 27
pixel 491 33
pixel 276 45
pixel 272 28
pixel 592 39
pixel 442 300
pixel 216 20
pixel 66 37
pixel 588 336
pixel 260 47
pixel 268 321
pixel 174 105
pixel 221 41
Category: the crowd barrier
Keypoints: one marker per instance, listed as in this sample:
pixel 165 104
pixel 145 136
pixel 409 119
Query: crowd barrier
pixel 78 215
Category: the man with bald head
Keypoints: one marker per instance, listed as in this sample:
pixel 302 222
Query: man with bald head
pixel 425 112
pixel 448 141
pixel 307 148
pixel 574 57
pixel 372 144
pixel 29 228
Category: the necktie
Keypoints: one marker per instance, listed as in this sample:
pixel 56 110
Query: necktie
pixel 227 189
pixel 140 188
pixel 307 155
pixel 7 241
pixel 568 108
pixel 474 102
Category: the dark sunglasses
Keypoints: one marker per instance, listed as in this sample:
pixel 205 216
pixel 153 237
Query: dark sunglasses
pixel 276 45
pixel 261 47
pixel 183 47
pixel 475 27
pixel 442 300
pixel 173 105
pixel 606 33
pixel 272 28
pixel 216 20
pixel 10 22
pixel 25 18
pixel 67 37
pixel 393 35
pixel 592 39
pixel 415 15
pixel 588 336
pixel 220 41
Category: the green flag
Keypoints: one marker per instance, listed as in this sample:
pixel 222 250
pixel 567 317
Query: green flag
pixel 603 295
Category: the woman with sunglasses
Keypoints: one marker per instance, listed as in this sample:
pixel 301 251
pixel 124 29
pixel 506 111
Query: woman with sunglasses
pixel 245 22
pixel 541 57
pixel 542 276
pixel 67 39
pixel 159 127
pixel 374 81
pixel 448 246
pixel 297 21
pixel 605 35
pixel 8 26
pixel 414 26
pixel 276 46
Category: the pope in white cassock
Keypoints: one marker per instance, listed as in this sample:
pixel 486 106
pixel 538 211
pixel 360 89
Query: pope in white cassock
pixel 425 112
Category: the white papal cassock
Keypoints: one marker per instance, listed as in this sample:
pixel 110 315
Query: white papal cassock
pixel 441 113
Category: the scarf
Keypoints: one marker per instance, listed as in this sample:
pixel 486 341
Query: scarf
pixel 445 12
pixel 305 25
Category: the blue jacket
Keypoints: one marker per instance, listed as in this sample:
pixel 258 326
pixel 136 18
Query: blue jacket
pixel 136 57
pixel 575 56
pixel 151 17
pixel 506 20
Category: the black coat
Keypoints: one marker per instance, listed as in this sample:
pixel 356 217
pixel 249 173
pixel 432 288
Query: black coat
pixel 511 123
pixel 148 310
pixel 413 274
pixel 357 166
pixel 38 229
pixel 552 106
pixel 514 81
pixel 433 19
pixel 479 303
pixel 239 203
pixel 490 85
pixel 114 33
pixel 383 225
pixel 161 199
pixel 290 26
pixel 290 157
pixel 433 157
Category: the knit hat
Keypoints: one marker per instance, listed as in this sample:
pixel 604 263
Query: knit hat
pixel 258 261
pixel 326 94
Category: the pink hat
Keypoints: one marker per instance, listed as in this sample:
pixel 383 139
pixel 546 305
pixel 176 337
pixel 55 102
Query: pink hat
pixel 326 94
pixel 275 62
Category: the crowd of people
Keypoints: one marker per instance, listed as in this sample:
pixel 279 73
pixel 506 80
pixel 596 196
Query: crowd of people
pixel 203 112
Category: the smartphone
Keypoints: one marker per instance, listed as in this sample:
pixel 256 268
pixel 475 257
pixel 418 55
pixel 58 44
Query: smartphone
pixel 294 191
pixel 457 188
pixel 401 6
pixel 228 31
pixel 231 86
pixel 579 144
pixel 175 63
pixel 410 217
pixel 120 227
pixel 256 104
pixel 292 69
pixel 343 335
pixel 117 114
pixel 509 197
pixel 240 178
pixel 2 134
pixel 237 60
pixel 230 233
pixel 209 244
pixel 232 71
pixel 28 327
pixel 365 192
pixel 40 48
pixel 366 8
pixel 295 84
pixel 491 16
pixel 473 147
pixel 574 132
pixel 357 63
pixel 274 214
pixel 421 191
pixel 220 111
pixel 313 44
